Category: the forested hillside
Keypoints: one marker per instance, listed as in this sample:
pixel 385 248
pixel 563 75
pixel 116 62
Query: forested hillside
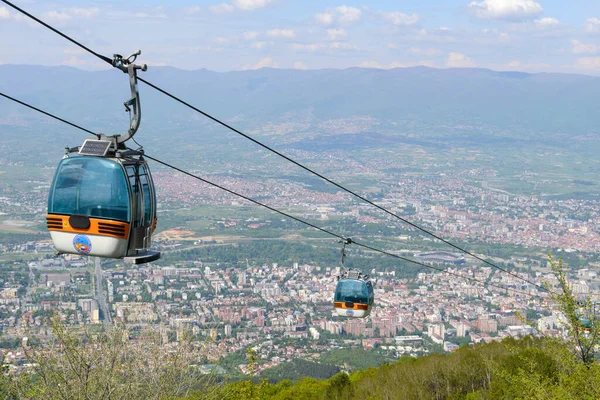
pixel 530 368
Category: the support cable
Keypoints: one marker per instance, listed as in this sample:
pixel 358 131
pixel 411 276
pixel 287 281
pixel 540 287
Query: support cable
pixel 49 115
pixel 330 233
pixel 39 21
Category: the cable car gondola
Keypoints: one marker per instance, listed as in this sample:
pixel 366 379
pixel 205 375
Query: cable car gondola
pixel 354 296
pixel 589 321
pixel 102 200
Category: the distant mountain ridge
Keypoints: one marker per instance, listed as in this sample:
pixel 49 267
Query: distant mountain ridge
pixel 544 102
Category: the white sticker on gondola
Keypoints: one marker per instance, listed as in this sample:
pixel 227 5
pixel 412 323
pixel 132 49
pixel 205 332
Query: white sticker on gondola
pixel 82 244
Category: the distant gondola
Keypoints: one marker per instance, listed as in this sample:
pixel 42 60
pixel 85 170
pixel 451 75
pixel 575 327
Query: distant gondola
pixel 354 296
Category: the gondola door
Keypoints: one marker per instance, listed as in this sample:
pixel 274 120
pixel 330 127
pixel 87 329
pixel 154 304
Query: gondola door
pixel 142 205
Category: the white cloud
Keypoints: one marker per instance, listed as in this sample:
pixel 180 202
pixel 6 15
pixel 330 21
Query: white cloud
pixel 260 45
pixel 202 49
pixel 592 25
pixel 348 15
pixel 583 48
pixel 250 35
pixel 240 5
pixel 74 51
pixel 396 64
pixel 512 10
pixel 516 65
pixel 312 47
pixel 69 13
pixel 424 52
pixel 150 14
pixel 370 64
pixel 56 16
pixel 444 35
pixel 546 22
pixel 494 34
pixel 305 47
pixel 592 63
pixel 222 40
pixel 73 62
pixel 335 34
pixel 400 19
pixel 264 63
pixel 84 12
pixel 281 33
pixel 4 14
pixel 458 60
pixel 324 18
pixel 222 8
pixel 154 63
pixel 342 46
pixel 249 5
pixel 300 65
pixel 192 10
pixel 342 15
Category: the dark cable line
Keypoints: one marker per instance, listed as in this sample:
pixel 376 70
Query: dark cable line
pixel 351 192
pixel 39 21
pixel 49 115
pixel 435 268
pixel 324 230
pixel 245 197
pixel 282 212
pixel 426 231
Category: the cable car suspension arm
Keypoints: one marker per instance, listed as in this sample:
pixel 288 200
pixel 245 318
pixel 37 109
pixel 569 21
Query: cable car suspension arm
pixel 127 65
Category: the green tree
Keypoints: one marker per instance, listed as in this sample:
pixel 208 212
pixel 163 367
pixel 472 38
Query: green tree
pixel 583 324
pixel 84 365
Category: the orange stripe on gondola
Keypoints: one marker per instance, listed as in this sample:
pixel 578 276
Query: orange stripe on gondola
pixel 357 306
pixel 101 227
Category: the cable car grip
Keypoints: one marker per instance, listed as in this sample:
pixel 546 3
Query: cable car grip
pixel 127 66
pixel 345 242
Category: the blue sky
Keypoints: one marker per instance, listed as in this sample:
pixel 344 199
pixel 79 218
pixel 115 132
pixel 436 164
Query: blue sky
pixel 225 35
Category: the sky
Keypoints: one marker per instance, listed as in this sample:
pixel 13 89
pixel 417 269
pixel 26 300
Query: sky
pixel 227 35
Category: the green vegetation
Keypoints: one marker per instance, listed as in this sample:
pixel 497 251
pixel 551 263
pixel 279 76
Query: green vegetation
pixel 354 359
pixel 584 340
pixel 299 368
pixel 95 364
pixel 538 368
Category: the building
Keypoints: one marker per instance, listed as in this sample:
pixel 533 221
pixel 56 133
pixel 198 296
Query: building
pixel 441 257
pixel 410 340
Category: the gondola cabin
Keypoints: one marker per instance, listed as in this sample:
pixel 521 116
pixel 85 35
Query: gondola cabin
pixel 354 296
pixel 585 324
pixel 103 206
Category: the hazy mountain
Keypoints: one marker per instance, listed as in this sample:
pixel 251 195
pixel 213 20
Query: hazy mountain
pixel 537 103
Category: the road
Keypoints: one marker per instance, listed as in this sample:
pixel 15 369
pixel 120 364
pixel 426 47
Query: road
pixel 100 294
pixel 485 185
pixel 30 285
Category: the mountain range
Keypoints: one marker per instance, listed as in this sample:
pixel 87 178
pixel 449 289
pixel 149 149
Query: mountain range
pixel 542 105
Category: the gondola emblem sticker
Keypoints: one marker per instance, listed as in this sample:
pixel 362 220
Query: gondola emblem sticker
pixel 349 313
pixel 82 244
